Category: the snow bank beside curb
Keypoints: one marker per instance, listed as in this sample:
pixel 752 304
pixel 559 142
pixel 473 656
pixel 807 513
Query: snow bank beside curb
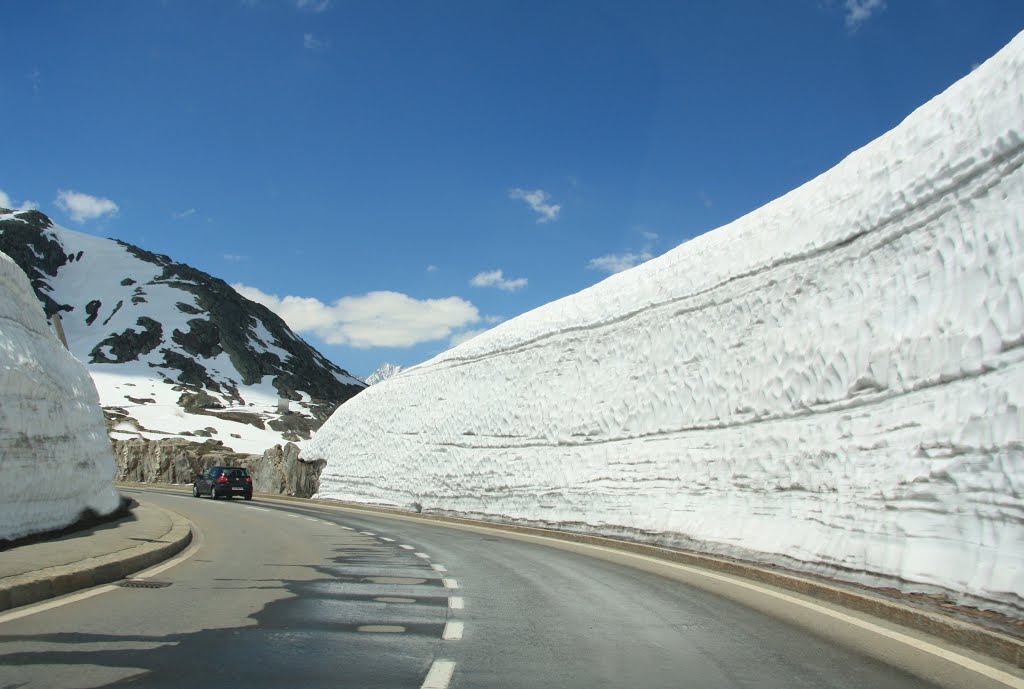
pixel 834 382
pixel 55 456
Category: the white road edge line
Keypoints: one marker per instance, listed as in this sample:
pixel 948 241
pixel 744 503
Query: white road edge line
pixel 440 675
pixel 54 603
pixel 973 665
pixel 439 568
pixel 925 646
pixel 192 549
pixel 456 603
pixel 453 630
pixel 197 542
pixel 450 583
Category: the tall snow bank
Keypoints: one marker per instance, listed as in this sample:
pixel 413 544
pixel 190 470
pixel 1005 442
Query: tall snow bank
pixel 833 382
pixel 55 457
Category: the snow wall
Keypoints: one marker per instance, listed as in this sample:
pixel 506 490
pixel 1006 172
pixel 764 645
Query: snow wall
pixel 833 382
pixel 55 456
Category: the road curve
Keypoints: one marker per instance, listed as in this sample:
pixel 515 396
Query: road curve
pixel 286 596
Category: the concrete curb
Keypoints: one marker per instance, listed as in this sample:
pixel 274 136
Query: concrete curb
pixel 947 628
pixel 47 583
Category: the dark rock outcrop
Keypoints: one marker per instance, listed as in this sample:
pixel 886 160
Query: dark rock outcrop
pixel 36 252
pixel 279 470
pixel 130 344
pixel 190 401
pixel 258 342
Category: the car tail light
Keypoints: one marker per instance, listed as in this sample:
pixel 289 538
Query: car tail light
pixel 248 479
pixel 222 479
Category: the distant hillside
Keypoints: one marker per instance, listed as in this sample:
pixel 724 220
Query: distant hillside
pixel 174 350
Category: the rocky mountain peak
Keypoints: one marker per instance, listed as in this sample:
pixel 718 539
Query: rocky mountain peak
pixel 151 328
pixel 382 373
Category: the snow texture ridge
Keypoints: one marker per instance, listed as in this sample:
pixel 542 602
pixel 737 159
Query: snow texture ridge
pixel 833 382
pixel 55 457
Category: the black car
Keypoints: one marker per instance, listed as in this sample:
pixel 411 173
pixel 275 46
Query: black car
pixel 224 482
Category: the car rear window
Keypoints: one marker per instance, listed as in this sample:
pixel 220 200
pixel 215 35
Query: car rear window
pixel 237 473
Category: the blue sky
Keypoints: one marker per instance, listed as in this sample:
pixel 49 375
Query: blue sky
pixel 392 177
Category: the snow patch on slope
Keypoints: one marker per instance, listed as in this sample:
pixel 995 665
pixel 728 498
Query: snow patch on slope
pixel 834 382
pixel 153 407
pixel 56 458
pixel 147 341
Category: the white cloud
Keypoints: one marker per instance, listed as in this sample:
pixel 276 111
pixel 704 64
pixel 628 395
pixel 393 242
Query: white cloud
pixel 314 6
pixel 616 263
pixel 859 11
pixel 649 236
pixel 705 199
pixel 496 278
pixel 9 203
pixel 537 200
pixel 432 268
pixel 377 319
pixel 311 42
pixel 234 258
pixel 82 207
pixel 183 214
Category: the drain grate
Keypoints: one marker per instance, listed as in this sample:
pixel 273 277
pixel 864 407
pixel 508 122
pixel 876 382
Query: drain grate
pixel 143 584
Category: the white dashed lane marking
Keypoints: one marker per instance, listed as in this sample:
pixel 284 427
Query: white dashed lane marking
pixel 389 540
pixel 367 533
pixel 440 675
pixel 450 583
pixel 456 603
pixel 439 568
pixel 381 629
pixel 423 555
pixel 407 547
pixel 453 630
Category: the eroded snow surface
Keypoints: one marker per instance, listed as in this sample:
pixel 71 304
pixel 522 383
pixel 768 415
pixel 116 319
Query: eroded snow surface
pixel 833 381
pixel 55 457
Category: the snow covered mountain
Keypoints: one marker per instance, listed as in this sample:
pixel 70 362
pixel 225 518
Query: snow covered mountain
pixel 174 351
pixel 384 372
pixel 834 382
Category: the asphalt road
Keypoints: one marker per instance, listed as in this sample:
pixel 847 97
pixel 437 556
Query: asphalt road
pixel 302 596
